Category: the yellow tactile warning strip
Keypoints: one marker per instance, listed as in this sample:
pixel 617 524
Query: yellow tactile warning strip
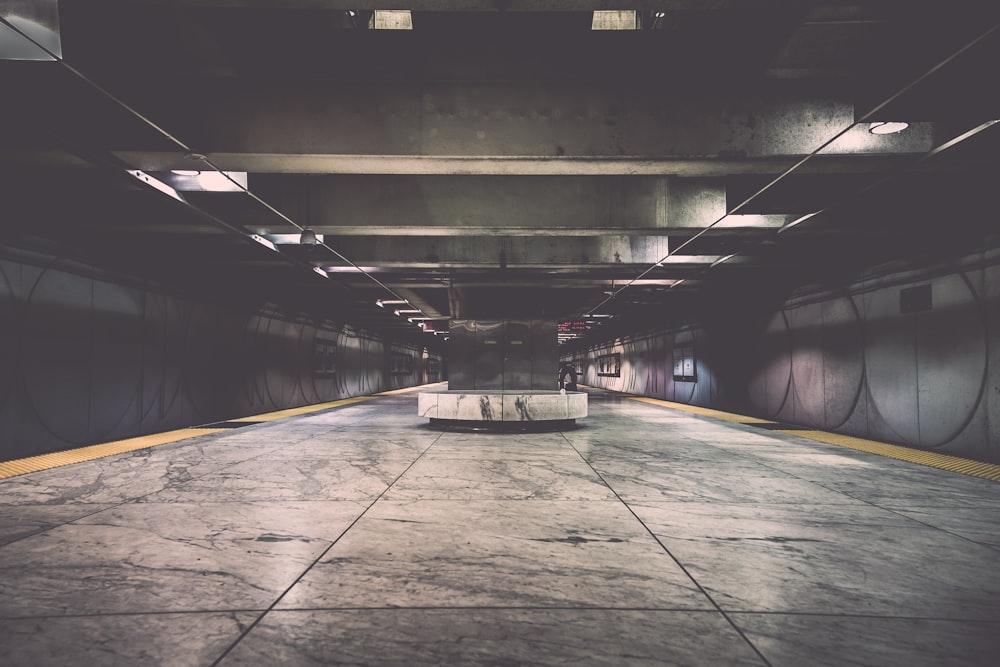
pixel 921 456
pixel 407 390
pixel 957 464
pixel 705 412
pixel 91 452
pixel 304 410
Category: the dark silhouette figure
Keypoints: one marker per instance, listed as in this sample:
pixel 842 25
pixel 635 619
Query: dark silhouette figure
pixel 567 377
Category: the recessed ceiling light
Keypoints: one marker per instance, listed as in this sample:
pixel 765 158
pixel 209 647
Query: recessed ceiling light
pixel 264 242
pixel 887 127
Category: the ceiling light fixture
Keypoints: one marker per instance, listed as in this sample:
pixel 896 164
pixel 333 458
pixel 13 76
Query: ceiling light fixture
pixel 799 221
pixel 722 259
pixel 411 310
pixel 155 183
pixel 391 19
pixel 264 242
pixel 381 303
pixel 321 272
pixel 185 172
pixel 887 127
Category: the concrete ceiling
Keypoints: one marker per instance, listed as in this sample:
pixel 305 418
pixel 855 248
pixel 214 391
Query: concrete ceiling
pixel 500 159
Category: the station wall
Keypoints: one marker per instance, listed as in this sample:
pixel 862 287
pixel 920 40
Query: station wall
pixel 86 357
pixel 908 356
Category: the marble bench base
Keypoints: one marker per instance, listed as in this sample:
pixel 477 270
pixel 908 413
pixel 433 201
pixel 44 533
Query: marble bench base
pixel 502 410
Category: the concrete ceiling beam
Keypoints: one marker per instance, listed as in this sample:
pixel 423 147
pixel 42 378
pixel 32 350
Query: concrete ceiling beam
pixel 482 5
pixel 552 121
pixel 559 206
pixel 498 252
pixel 506 165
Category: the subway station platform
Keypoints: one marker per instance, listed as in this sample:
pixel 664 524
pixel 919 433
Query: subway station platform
pixel 352 533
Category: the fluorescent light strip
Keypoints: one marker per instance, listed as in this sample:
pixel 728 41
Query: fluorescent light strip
pixel 722 259
pixel 264 242
pixel 155 183
pixel 381 303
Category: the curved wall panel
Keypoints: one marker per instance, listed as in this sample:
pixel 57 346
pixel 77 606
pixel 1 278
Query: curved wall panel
pixel 991 305
pixel 56 341
pixel 843 360
pixel 770 384
pixel 163 335
pixel 806 330
pixel 281 378
pixel 8 337
pixel 212 370
pixel 951 360
pixel 87 358
pixel 827 361
pixel 116 356
pixel 853 360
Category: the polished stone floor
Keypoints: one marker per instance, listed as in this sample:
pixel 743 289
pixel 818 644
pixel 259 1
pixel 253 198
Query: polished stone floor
pixel 360 536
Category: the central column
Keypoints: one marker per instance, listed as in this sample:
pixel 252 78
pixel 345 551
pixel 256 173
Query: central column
pixel 502 355
pixel 503 375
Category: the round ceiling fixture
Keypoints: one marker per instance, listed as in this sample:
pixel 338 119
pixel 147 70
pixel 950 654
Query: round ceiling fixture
pixel 887 127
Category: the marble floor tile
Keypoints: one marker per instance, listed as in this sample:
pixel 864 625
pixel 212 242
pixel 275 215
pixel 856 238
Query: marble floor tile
pixel 907 486
pixel 129 476
pixel 168 557
pixel 20 521
pixel 979 524
pixel 398 543
pixel 177 640
pixel 513 443
pixel 280 478
pixel 110 480
pixel 493 637
pixel 373 445
pixel 728 481
pixel 849 559
pixel 498 478
pixel 523 553
pixel 632 448
pixel 851 641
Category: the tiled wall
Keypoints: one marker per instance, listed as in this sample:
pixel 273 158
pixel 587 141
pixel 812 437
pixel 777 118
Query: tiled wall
pixel 86 357
pixel 864 360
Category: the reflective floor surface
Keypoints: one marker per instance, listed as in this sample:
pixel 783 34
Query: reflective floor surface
pixel 360 536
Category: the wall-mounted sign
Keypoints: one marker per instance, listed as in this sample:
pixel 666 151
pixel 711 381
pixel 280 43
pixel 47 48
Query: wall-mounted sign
pixel 610 365
pixel 684 364
pixel 324 358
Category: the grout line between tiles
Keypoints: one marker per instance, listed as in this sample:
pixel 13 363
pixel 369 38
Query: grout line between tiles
pixel 673 557
pixel 322 555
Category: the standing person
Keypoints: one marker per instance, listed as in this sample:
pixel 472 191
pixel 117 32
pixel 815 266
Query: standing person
pixel 567 377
